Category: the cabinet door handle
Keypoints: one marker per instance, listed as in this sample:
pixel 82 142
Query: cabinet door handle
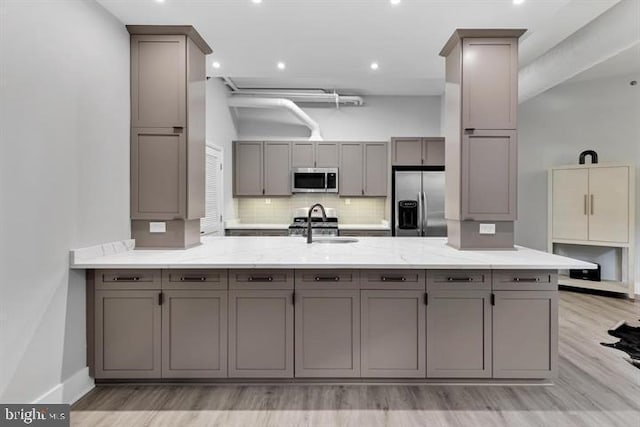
pixel 591 205
pixel 161 298
pixel 586 203
pixel 393 279
pixel 327 279
pixel 459 279
pixel 126 279
pixel 426 298
pixel 261 279
pixel 193 279
pixel 493 299
pixel 526 279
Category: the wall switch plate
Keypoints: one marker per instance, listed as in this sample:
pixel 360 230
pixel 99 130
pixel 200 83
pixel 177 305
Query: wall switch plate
pixel 157 227
pixel 487 229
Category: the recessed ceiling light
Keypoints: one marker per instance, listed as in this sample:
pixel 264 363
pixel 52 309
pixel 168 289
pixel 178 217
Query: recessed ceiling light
pixel 395 2
pixel 281 65
pixel 215 64
pixel 374 66
pixel 159 1
pixel 256 1
pixel 518 1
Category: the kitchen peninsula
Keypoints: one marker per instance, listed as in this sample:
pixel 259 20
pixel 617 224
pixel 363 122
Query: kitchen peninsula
pixel 279 308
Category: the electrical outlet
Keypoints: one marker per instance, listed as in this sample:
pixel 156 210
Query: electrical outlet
pixel 487 229
pixel 347 201
pixel 157 227
pixel 267 201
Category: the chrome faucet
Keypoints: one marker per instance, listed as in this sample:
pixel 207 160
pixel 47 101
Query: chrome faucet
pixel 324 218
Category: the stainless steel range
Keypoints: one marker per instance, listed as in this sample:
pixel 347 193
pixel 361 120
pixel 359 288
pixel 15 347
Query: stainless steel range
pixel 320 227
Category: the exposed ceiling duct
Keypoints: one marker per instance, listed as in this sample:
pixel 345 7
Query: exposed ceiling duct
pixel 299 95
pixel 252 102
pixel 615 31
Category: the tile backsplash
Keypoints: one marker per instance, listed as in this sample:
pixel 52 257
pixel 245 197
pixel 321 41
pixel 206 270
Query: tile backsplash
pixel 280 210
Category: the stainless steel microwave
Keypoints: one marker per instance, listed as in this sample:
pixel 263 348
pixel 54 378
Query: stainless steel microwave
pixel 314 180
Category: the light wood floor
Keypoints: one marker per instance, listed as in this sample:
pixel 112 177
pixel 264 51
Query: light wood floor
pixel 596 387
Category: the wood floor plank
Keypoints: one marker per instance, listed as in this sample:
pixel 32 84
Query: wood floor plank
pixel 596 387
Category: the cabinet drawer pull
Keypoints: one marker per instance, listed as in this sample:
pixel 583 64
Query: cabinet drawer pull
pixel 261 279
pixel 591 205
pixel 393 279
pixel 526 279
pixel 586 203
pixel 470 130
pixel 126 279
pixel 459 279
pixel 193 279
pixel 326 279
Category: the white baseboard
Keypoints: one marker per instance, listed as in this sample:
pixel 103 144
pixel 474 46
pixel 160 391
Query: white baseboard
pixel 71 390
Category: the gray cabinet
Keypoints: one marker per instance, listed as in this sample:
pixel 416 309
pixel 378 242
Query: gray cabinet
pixel 376 161
pixel 417 151
pixel 489 175
pixel 489 83
pixel 392 333
pixel 327 333
pixel 248 168
pixel 327 155
pixel 127 334
pixel 194 334
pixel 167 134
pixel 261 168
pixel 459 334
pixel 158 84
pixel 158 174
pixel 309 154
pixel 525 334
pixel 277 165
pixel 363 169
pixel 261 333
pixel 351 169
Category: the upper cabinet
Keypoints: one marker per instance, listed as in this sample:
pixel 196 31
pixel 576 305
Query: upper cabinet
pixel 363 169
pixel 489 83
pixel 261 168
pixel 310 154
pixel 158 83
pixel 417 151
pixel 592 203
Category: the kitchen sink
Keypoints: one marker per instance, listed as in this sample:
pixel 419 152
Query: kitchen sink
pixel 334 240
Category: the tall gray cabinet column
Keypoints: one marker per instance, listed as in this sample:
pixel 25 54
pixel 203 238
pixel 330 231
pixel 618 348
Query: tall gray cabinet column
pixel 481 95
pixel 167 135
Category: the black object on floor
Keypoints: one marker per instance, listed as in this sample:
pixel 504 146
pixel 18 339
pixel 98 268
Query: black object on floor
pixel 629 341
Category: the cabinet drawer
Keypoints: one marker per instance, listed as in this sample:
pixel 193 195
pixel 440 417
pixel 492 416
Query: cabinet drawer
pixel 194 279
pixel 525 280
pixel 128 279
pixel 458 279
pixel 392 279
pixel 260 279
pixel 327 279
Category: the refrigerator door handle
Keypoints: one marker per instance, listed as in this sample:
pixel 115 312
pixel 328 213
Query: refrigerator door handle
pixel 420 218
pixel 425 210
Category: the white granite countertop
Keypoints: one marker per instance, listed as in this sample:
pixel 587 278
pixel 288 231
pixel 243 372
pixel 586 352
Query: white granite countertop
pixel 241 226
pixel 294 252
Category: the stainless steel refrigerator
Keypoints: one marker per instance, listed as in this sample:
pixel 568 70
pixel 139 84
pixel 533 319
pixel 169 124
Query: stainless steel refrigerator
pixel 418 202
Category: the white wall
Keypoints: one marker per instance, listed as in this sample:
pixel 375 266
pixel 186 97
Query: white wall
pixel 221 131
pixel 379 119
pixel 64 182
pixel 554 127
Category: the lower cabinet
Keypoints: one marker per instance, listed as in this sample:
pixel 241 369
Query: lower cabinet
pixel 392 333
pixel 459 334
pixel 260 333
pixel 194 334
pixel 327 333
pixel 525 334
pixel 127 334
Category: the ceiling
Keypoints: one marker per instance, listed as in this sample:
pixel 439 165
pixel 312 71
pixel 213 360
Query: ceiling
pixel 330 44
pixel 624 63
